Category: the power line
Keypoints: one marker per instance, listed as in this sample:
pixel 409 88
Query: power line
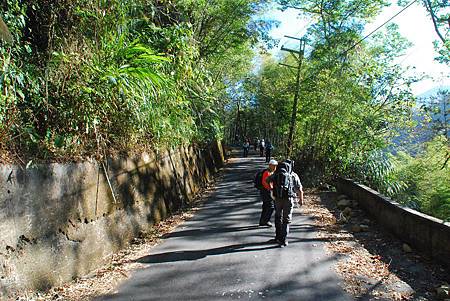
pixel 373 31
pixel 357 43
pixel 298 32
pixel 379 27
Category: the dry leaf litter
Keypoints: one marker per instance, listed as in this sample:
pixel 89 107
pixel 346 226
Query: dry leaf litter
pixel 367 254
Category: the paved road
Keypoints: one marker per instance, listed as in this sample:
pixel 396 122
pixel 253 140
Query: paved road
pixel 221 254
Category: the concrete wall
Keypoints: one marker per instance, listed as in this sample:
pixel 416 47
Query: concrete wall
pixel 60 221
pixel 424 233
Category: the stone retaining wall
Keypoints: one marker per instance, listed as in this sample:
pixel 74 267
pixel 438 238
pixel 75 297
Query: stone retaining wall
pixel 60 221
pixel 424 233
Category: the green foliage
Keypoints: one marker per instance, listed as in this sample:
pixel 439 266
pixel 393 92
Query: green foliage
pixel 347 109
pixel 419 182
pixel 425 178
pixel 17 80
pixel 104 76
pixel 354 98
pixel 438 107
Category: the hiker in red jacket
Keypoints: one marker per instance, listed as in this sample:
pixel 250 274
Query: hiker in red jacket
pixel 267 201
pixel 287 190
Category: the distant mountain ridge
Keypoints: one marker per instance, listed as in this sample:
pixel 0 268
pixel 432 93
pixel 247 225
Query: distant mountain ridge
pixel 432 92
pixel 411 141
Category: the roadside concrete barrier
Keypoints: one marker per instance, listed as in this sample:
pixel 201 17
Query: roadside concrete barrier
pixel 422 232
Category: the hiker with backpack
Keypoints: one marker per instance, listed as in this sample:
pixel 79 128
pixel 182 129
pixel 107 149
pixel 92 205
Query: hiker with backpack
pixel 264 190
pixel 262 145
pixel 246 147
pixel 287 189
pixel 268 149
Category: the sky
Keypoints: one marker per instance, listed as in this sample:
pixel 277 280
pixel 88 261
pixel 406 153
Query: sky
pixel 414 25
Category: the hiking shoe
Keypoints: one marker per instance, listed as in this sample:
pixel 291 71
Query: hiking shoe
pixel 283 244
pixel 268 224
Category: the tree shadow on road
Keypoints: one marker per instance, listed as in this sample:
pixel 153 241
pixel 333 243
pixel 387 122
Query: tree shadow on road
pixel 209 231
pixel 188 255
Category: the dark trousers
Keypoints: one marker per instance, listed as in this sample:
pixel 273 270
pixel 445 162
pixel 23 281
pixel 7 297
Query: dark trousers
pixel 283 217
pixel 267 207
pixel 268 155
pixel 261 151
pixel 246 151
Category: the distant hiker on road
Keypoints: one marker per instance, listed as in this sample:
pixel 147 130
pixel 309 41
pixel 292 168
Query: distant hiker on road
pixel 262 145
pixel 269 148
pixel 246 147
pixel 256 143
pixel 264 190
pixel 287 189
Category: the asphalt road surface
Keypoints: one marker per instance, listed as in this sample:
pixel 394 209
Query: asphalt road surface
pixel 222 254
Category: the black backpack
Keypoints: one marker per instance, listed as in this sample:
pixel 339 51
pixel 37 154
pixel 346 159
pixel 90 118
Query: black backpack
pixel 283 182
pixel 257 181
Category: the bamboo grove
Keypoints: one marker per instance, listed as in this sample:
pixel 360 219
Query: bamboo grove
pixel 88 77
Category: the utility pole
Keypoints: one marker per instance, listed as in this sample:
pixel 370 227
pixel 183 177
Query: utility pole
pixel 237 131
pixel 298 54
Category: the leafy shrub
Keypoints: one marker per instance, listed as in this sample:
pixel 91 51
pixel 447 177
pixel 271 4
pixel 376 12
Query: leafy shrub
pixel 427 178
pixel 85 78
pixel 420 182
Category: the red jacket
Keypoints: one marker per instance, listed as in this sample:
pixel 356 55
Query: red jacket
pixel 266 173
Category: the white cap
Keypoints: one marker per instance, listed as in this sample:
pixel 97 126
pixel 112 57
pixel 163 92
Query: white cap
pixel 273 162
